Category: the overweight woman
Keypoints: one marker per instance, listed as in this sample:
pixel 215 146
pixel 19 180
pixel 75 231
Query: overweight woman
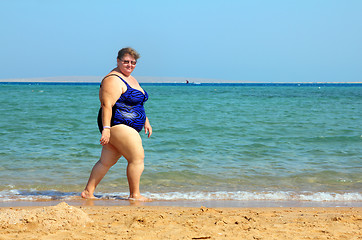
pixel 120 119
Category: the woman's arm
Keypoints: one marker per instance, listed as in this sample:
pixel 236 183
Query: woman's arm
pixel 148 128
pixel 108 94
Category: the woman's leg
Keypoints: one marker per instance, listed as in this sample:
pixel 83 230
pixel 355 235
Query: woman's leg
pixel 109 157
pixel 128 142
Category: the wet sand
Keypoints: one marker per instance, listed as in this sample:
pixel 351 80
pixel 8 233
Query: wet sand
pixel 63 221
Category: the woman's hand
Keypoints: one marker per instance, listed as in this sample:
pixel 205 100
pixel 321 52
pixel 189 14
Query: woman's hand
pixel 148 128
pixel 106 134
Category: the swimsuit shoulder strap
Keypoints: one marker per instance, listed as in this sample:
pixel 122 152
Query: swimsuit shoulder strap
pixel 118 77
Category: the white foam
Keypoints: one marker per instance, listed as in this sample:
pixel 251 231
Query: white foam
pixel 248 196
pixel 30 195
pixel 33 195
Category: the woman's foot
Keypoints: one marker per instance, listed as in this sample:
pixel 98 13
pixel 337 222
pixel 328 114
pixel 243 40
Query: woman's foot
pixel 139 198
pixel 85 194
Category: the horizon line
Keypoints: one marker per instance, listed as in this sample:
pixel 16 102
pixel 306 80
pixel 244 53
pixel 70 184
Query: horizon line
pixel 148 79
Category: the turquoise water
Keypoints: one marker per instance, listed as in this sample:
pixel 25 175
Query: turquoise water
pixel 210 142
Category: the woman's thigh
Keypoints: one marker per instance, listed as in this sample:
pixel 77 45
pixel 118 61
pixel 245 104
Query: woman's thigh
pixel 127 141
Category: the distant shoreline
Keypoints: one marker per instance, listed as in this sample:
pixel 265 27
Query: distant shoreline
pixel 143 79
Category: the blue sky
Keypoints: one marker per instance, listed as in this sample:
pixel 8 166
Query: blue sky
pixel 263 41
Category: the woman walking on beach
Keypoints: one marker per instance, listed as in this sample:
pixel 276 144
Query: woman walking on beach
pixel 120 119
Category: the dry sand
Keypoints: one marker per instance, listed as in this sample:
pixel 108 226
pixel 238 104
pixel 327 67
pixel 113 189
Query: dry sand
pixel 151 222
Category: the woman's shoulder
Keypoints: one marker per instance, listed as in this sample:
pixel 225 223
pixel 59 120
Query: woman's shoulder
pixel 112 81
pixel 112 75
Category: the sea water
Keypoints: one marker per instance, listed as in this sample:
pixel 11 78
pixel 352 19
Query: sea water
pixel 209 142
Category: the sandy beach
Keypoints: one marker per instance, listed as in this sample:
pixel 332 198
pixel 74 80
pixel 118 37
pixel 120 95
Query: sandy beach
pixel 63 221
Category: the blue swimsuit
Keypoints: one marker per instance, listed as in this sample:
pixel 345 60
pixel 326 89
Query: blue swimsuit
pixel 128 109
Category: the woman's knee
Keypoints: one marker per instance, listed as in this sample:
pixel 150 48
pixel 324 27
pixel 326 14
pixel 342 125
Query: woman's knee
pixel 106 163
pixel 109 156
pixel 136 161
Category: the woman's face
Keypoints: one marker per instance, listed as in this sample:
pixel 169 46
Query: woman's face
pixel 126 65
